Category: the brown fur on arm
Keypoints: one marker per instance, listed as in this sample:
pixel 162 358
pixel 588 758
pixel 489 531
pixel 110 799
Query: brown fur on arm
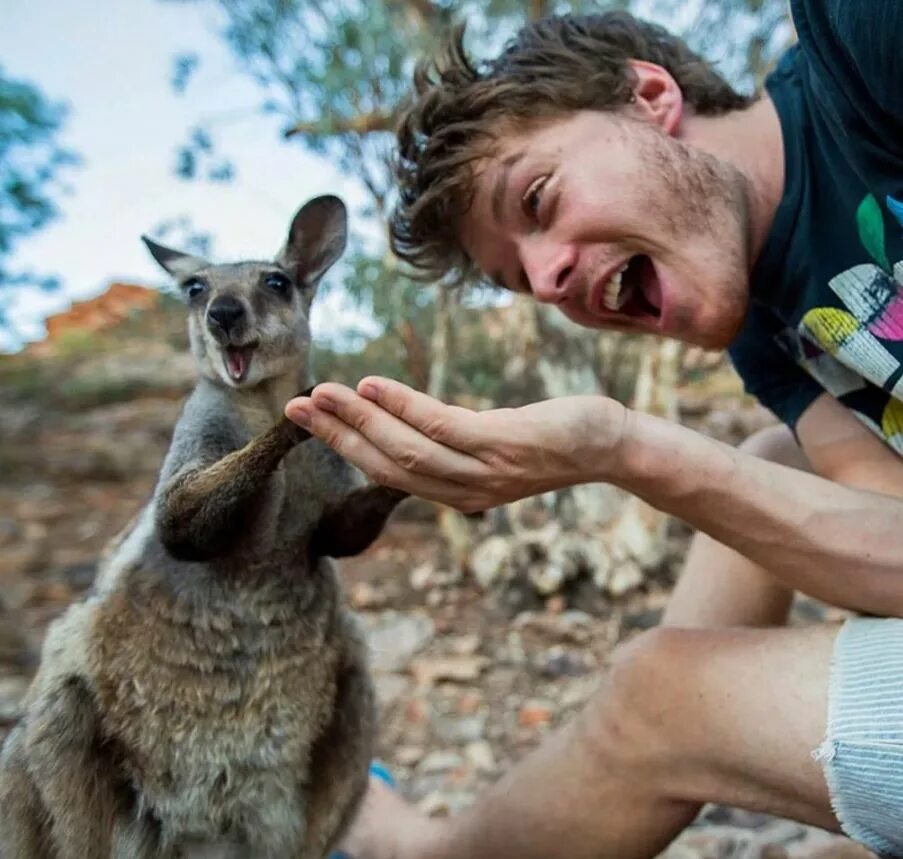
pixel 202 511
pixel 350 526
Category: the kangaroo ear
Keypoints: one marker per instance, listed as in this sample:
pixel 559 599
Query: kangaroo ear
pixel 179 265
pixel 316 238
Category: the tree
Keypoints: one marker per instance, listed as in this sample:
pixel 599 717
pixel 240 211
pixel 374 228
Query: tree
pixel 335 75
pixel 31 162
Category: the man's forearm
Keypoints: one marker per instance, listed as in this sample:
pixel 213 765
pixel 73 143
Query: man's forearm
pixel 841 545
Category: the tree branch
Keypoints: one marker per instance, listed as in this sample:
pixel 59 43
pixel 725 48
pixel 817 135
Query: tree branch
pixel 362 123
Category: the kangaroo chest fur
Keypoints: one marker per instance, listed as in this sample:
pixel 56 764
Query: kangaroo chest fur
pixel 216 710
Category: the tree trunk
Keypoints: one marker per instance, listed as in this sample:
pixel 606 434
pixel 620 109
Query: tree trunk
pixel 437 384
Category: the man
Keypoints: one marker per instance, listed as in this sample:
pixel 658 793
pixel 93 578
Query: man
pixel 599 165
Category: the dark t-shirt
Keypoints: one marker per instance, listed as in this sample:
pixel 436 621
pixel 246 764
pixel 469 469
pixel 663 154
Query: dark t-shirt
pixel 826 310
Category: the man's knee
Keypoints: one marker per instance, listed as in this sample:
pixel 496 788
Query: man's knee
pixel 776 444
pixel 628 725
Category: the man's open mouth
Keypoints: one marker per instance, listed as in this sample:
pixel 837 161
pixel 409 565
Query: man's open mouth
pixel 238 360
pixel 634 290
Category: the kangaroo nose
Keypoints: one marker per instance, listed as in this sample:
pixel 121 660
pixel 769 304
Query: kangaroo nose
pixel 225 313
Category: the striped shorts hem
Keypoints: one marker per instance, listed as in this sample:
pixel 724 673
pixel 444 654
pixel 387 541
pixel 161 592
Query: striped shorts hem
pixel 862 755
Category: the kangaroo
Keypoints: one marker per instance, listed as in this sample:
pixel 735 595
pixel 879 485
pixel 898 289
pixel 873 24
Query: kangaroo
pixel 210 696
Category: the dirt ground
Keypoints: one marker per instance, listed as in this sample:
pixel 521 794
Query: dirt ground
pixel 465 688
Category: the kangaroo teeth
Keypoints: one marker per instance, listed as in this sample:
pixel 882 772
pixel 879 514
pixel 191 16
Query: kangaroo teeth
pixel 616 294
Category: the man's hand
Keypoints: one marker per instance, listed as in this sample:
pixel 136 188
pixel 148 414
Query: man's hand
pixel 468 460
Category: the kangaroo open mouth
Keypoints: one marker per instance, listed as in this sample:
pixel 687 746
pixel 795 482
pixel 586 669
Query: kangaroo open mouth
pixel 238 360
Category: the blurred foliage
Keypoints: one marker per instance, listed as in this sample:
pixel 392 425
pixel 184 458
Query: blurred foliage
pixel 31 164
pixel 334 76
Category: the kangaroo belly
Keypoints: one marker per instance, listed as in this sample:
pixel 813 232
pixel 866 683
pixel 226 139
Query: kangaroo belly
pixel 215 718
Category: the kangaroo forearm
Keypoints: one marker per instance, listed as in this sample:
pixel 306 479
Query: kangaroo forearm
pixel 836 543
pixel 350 526
pixel 202 511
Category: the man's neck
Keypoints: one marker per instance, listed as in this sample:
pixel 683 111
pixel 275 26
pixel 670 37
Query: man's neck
pixel 751 140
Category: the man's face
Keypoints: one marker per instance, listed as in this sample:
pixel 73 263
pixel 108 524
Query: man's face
pixel 618 224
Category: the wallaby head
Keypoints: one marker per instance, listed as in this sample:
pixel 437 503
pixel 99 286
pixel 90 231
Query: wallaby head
pixel 249 321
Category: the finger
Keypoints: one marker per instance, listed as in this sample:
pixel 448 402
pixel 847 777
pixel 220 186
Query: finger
pixel 452 426
pixel 379 467
pixel 405 445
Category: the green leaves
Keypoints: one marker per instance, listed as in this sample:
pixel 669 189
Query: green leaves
pixel 31 162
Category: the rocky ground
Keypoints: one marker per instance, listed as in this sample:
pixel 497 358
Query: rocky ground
pixel 465 687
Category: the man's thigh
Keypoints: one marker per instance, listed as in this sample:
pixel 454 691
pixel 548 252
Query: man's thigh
pixel 731 716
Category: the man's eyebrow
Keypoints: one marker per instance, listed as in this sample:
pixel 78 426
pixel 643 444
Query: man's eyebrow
pixel 501 184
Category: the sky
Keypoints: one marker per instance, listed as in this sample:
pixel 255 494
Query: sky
pixel 111 62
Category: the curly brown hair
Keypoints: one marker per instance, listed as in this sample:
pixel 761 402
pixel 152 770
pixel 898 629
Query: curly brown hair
pixel 553 67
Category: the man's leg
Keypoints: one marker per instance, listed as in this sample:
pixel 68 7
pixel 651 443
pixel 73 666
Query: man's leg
pixel 719 587
pixel 683 718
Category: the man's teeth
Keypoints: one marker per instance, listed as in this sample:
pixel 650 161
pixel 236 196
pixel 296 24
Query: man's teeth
pixel 616 294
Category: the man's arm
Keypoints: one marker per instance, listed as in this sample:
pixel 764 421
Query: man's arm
pixel 836 535
pixel 841 448
pixel 838 543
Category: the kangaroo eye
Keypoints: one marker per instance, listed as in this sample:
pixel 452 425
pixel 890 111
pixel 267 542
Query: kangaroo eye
pixel 194 287
pixel 279 283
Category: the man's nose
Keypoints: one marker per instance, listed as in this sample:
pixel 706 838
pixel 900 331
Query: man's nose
pixel 548 269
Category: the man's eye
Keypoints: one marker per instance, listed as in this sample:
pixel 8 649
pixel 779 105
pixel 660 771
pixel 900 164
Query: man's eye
pixel 532 198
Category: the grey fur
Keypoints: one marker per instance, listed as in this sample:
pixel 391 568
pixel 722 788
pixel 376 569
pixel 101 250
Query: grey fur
pixel 211 697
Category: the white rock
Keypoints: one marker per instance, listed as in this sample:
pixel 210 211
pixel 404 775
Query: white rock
pixel 440 762
pixel 479 754
pixel 491 561
pixel 394 638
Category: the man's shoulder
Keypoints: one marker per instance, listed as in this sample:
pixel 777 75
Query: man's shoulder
pixel 853 50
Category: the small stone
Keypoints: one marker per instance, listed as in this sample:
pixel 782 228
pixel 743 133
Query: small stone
pixel 365 596
pixel 409 756
pixel 434 804
pixel 421 577
pixel 479 754
pixel 416 711
pixel 490 561
pixel 428 670
pixel 469 703
pixel 390 688
pixel 9 531
pixel 579 691
pixel 464 645
pixel 440 762
pixel 556 604
pixel 458 731
pixel 535 713
pixel 394 638
pixel 563 663
pixel 12 691
pixel 625 578
pixel 643 619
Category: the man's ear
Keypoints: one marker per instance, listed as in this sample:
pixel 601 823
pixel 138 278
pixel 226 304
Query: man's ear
pixel 657 96
pixel 316 238
pixel 180 265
